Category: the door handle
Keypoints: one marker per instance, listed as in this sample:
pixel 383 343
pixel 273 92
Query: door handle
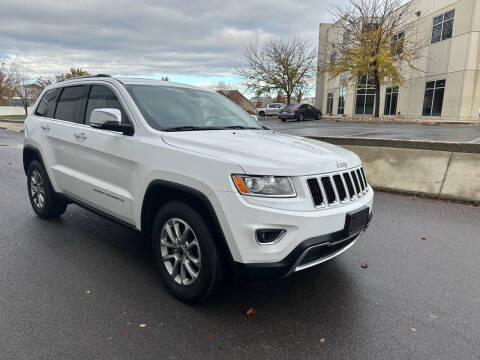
pixel 80 135
pixel 45 127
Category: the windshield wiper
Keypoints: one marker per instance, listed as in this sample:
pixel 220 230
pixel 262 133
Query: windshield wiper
pixel 240 127
pixel 195 128
pixel 192 128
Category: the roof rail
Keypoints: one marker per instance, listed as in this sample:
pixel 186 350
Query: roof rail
pixel 85 76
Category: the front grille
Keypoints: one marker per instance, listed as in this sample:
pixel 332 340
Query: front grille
pixel 337 188
pixel 315 191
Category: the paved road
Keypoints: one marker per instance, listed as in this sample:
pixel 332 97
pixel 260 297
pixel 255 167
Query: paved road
pixel 448 133
pixel 418 299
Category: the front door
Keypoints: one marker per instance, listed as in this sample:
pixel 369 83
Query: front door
pixel 94 166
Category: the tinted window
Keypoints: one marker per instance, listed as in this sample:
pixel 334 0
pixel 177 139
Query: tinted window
pixel 71 104
pixel 433 99
pixel 103 97
pixel 46 106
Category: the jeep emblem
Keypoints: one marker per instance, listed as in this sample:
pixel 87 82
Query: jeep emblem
pixel 341 165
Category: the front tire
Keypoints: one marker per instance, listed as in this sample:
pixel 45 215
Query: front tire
pixel 44 201
pixel 185 253
pixel 318 116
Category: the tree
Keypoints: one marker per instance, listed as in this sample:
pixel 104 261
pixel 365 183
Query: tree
pixel 222 87
pixel 277 65
pixel 279 99
pixel 72 74
pixel 165 78
pixel 7 90
pixel 24 88
pixel 373 43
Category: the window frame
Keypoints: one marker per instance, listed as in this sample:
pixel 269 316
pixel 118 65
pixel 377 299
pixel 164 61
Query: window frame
pixel 365 87
pixel 58 90
pixel 85 121
pixel 441 25
pixel 434 89
pixel 397 43
pixel 342 92
pixel 394 90
pixel 83 108
pixel 330 100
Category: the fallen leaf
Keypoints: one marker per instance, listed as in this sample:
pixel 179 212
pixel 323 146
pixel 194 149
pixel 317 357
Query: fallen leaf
pixel 413 329
pixel 322 340
pixel 209 337
pixel 424 238
pixel 88 292
pixel 432 316
pixel 142 325
pixel 124 332
pixel 109 338
pixel 161 324
pixel 251 312
pixel 364 266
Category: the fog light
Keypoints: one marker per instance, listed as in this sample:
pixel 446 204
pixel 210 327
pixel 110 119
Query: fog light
pixel 269 236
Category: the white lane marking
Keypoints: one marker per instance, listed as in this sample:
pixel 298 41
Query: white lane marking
pixel 365 133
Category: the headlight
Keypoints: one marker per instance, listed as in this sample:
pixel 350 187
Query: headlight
pixel 274 186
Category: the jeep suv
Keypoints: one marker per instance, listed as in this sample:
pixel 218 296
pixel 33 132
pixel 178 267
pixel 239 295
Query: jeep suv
pixel 210 187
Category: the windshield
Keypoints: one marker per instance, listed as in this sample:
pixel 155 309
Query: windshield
pixel 169 108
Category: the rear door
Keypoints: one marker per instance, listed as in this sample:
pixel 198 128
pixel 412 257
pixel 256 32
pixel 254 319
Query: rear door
pixel 94 166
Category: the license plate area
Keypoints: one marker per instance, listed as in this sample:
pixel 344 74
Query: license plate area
pixel 356 221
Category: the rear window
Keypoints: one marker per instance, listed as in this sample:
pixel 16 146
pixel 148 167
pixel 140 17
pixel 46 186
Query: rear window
pixel 46 106
pixel 71 104
pixel 292 107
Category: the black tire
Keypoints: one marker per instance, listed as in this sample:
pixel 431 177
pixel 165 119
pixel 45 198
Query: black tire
pixel 211 271
pixel 318 116
pixel 52 206
pixel 261 114
pixel 301 117
pixel 283 120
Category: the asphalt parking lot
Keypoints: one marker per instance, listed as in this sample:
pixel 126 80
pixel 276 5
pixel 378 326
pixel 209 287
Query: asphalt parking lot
pixel 398 131
pixel 84 288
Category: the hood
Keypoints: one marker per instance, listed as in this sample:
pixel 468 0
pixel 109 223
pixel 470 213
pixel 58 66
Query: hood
pixel 264 152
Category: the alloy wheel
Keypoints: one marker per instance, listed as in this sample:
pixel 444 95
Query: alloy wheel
pixel 180 250
pixel 37 189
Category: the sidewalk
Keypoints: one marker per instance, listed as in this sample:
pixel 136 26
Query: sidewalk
pixel 388 120
pixel 11 125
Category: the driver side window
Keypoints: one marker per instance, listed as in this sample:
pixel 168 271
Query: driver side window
pixel 103 97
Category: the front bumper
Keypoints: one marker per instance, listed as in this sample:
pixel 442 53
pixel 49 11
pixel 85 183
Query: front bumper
pixel 309 253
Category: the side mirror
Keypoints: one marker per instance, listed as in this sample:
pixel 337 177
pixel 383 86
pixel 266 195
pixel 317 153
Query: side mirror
pixel 109 119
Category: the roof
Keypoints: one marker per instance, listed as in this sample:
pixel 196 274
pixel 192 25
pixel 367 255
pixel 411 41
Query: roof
pixel 126 80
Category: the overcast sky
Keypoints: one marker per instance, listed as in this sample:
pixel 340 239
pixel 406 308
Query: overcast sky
pixel 192 41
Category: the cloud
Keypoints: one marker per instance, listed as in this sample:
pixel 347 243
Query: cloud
pixel 148 37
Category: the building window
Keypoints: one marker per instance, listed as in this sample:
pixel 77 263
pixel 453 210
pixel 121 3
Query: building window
pixel 397 43
pixel 433 100
pixel 341 100
pixel 443 27
pixel 346 38
pixel 330 103
pixel 333 58
pixel 391 100
pixel 365 97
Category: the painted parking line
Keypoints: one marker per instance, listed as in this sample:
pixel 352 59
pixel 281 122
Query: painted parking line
pixel 365 133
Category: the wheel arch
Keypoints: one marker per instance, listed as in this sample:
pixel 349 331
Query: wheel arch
pixel 31 153
pixel 159 192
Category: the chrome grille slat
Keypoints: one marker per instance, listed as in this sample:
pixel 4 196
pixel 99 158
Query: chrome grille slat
pixel 337 188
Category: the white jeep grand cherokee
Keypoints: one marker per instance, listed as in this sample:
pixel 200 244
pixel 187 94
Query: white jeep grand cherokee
pixel 207 184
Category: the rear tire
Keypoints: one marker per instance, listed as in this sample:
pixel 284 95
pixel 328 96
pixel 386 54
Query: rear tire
pixel 261 114
pixel 301 117
pixel 44 201
pixel 185 253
